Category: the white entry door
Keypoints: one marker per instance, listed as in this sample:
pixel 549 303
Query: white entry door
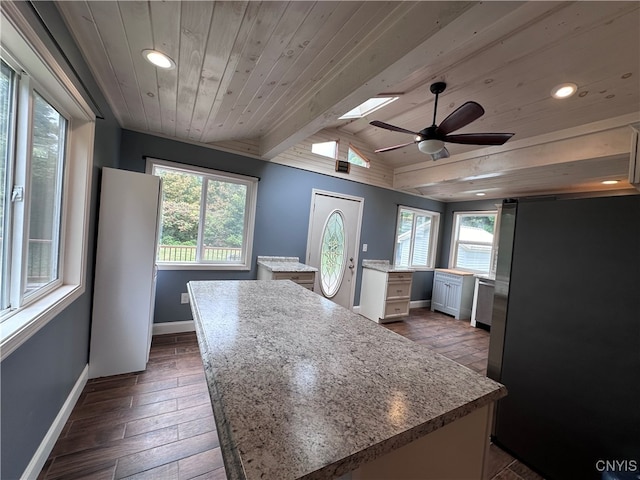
pixel 332 244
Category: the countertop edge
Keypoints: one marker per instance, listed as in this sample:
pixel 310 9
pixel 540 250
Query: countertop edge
pixel 230 456
pixel 388 269
pixel 286 266
pixel 348 464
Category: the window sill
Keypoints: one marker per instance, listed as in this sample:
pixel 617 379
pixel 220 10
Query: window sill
pixel 201 266
pixel 20 326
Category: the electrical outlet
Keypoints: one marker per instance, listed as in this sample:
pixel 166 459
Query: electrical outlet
pixel 184 298
pixel 364 247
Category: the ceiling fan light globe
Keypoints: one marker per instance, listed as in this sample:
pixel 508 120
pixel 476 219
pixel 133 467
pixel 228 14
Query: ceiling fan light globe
pixel 431 146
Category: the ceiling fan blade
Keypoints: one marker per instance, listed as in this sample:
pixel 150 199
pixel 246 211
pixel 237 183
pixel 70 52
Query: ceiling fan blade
pixel 444 153
pixel 388 126
pixel 395 147
pixel 460 117
pixel 479 138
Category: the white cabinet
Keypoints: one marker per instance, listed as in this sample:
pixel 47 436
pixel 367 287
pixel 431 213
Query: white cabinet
pixel 306 279
pixel 124 290
pixel 453 292
pixel 286 268
pixel 385 295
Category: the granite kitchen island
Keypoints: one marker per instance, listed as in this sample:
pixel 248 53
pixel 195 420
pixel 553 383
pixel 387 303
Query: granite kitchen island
pixel 302 388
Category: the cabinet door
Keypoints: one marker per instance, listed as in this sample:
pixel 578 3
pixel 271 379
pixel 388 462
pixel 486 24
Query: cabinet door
pixel 452 298
pixel 439 294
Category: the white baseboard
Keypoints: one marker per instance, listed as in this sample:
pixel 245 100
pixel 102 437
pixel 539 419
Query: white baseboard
pixel 420 304
pixel 42 453
pixel 173 327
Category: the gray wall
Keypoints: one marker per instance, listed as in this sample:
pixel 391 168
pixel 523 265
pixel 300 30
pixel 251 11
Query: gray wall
pixel 282 215
pixel 37 378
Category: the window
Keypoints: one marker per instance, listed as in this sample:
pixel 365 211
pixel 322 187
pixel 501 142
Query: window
pixel 333 254
pixel 416 237
pixel 7 101
pixel 368 107
pixel 46 155
pixel 356 158
pixel 473 245
pixel 32 175
pixel 207 217
pixel 326 149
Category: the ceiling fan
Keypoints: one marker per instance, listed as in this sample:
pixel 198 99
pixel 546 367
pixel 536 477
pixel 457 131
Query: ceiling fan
pixel 431 139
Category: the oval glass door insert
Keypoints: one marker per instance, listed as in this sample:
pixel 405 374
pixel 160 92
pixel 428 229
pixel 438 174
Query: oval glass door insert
pixel 333 254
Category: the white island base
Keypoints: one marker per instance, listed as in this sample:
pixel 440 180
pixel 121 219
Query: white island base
pixel 456 451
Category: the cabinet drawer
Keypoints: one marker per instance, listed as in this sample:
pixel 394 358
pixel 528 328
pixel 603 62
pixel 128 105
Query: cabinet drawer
pixel 448 278
pixel 399 276
pixel 396 308
pixel 399 289
pixel 298 277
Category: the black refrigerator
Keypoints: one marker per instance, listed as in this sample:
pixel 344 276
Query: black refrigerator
pixel 565 336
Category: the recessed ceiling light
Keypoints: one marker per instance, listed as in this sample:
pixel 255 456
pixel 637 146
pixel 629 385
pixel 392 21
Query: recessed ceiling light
pixel 158 59
pixel 564 90
pixel 480 194
pixel 609 182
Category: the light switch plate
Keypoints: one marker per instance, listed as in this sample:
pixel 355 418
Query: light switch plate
pixel 184 298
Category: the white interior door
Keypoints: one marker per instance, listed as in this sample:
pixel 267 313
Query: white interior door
pixel 332 244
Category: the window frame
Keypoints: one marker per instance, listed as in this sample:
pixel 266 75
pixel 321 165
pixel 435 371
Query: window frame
pixel 433 237
pixel 455 233
pixel 21 296
pixel 359 154
pixel 249 218
pixel 23 50
pixel 6 252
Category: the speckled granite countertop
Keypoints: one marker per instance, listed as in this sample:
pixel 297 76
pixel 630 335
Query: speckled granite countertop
pixel 384 266
pixel 302 388
pixel 285 264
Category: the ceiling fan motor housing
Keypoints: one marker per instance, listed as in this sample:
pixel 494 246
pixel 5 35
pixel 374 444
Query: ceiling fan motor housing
pixel 438 87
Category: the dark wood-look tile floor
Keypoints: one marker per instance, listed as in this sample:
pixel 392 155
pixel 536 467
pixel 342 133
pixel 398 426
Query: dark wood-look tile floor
pixel 455 339
pixel 158 424
pixel 469 346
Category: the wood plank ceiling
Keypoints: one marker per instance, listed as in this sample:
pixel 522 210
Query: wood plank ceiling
pixel 261 77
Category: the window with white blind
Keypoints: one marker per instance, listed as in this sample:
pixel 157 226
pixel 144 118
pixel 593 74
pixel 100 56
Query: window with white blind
pixel 416 237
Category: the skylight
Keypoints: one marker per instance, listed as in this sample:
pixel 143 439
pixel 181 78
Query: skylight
pixel 368 107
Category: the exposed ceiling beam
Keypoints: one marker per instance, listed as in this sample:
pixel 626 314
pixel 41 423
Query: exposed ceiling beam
pixel 607 139
pixel 418 34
